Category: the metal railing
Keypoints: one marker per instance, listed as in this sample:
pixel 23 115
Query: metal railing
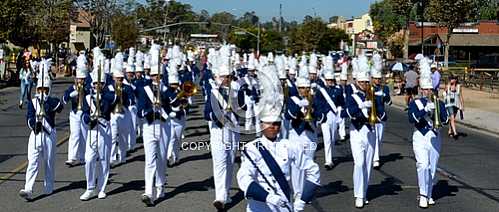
pixel 476 78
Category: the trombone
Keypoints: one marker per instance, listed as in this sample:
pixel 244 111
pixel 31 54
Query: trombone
pixel 308 116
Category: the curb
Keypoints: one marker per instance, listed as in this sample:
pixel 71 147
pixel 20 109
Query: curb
pixel 461 123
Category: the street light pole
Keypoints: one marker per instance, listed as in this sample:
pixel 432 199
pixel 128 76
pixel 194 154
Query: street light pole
pixel 422 27
pixel 258 41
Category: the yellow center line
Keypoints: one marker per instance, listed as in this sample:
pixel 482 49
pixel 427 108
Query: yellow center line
pixel 23 165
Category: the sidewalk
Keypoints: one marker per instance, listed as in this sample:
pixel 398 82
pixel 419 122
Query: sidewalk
pixel 481 109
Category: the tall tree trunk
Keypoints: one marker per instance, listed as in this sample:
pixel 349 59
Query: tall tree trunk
pixel 406 43
pixel 447 46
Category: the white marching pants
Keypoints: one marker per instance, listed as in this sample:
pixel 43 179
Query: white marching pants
pixel 132 136
pixel 379 140
pixel 427 151
pixel 41 151
pixel 97 156
pixel 252 118
pixel 328 135
pixel 223 145
pixel 77 137
pixel 155 155
pixel 177 128
pixel 362 145
pixel 341 128
pixel 120 130
pixel 307 140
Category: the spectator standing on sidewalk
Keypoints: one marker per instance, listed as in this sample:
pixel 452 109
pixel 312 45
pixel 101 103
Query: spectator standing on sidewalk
pixel 411 85
pixel 435 77
pixel 454 102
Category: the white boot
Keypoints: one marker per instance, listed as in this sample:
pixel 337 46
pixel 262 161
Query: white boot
pixel 159 192
pixel 431 201
pixel 88 195
pixel 147 200
pixel 376 164
pixel 359 202
pixel 102 195
pixel 423 202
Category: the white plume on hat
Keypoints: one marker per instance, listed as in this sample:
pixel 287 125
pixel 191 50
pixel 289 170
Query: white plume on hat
pixel 425 80
pixel 139 61
pixel 251 62
pixel 364 69
pixel 147 61
pixel 313 59
pixel 99 60
pixel 81 67
pixel 44 67
pixel 292 65
pixel 355 67
pixel 303 72
pixel 154 52
pixel 130 67
pixel 117 65
pixel 312 69
pixel 328 63
pixel 281 67
pixel 173 74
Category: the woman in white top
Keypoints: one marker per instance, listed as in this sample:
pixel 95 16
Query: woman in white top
pixel 454 102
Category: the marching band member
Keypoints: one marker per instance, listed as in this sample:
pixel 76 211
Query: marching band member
pixel 304 113
pixel 78 131
pixel 131 113
pixel 219 110
pixel 120 122
pixel 426 138
pixel 177 116
pixel 96 115
pixel 139 82
pixel 42 139
pixel 331 99
pixel 362 135
pixel 265 169
pixel 250 86
pixel 153 106
pixel 382 93
pixel 342 86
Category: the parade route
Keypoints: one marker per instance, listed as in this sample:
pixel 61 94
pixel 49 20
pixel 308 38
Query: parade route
pixel 467 178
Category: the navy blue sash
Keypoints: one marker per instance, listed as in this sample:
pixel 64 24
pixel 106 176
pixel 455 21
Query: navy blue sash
pixel 275 170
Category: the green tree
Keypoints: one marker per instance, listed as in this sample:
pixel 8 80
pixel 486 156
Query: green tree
pixel 386 23
pixel 404 9
pixel 488 9
pixel 98 14
pixel 124 31
pixel 314 34
pixel 16 22
pixel 450 14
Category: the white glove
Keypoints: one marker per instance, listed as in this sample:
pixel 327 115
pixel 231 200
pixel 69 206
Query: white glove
pixel 430 106
pixel 366 104
pixel 276 200
pixel 172 114
pixel 313 85
pixel 303 103
pixel 73 94
pixel 299 205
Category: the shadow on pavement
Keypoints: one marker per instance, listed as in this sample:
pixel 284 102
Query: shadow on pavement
pixel 204 185
pixel 194 158
pixel 134 185
pixel 236 199
pixel 443 189
pixel 386 187
pixel 335 187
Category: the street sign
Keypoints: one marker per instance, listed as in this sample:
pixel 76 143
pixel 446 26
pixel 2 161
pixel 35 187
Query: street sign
pixel 240 33
pixel 166 30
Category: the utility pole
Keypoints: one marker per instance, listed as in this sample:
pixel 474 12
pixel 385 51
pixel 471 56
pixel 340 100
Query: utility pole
pixel 280 18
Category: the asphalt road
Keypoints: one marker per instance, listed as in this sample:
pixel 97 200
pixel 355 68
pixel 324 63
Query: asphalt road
pixel 468 176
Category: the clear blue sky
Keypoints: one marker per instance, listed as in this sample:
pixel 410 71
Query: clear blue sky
pixel 291 9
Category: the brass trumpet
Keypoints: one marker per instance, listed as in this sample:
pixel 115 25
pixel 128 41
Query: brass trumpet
pixel 81 94
pixel 436 115
pixel 373 115
pixel 187 89
pixel 308 116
